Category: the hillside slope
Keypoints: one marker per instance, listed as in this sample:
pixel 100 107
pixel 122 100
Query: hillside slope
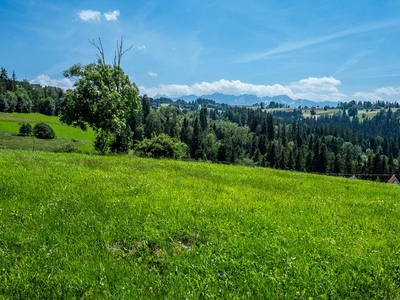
pixel 9 129
pixel 74 226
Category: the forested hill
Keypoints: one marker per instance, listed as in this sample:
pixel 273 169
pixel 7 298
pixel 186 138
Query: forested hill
pixel 21 96
pixel 343 141
pixel 336 143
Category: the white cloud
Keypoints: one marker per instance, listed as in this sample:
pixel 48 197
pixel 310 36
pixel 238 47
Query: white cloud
pixel 388 91
pixel 378 94
pixel 317 89
pixel 89 15
pixel 316 84
pixel 143 47
pixel 152 74
pixel 112 15
pixel 45 80
pixel 366 96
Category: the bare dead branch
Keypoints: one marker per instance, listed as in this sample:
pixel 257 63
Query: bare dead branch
pixel 100 49
pixel 120 52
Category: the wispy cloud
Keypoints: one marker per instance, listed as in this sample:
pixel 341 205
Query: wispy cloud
pixel 89 15
pixel 112 15
pixel 318 89
pixel 286 47
pixel 45 80
pixel 152 74
pixel 142 47
pixel 352 61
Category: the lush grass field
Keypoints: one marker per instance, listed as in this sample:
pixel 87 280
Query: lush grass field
pixel 76 226
pixel 9 129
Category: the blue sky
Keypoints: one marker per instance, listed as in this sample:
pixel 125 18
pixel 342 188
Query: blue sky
pixel 317 50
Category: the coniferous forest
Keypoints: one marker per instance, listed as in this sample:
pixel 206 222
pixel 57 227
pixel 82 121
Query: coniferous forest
pixel 341 143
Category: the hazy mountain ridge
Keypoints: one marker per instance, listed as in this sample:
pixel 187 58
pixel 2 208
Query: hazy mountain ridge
pixel 250 99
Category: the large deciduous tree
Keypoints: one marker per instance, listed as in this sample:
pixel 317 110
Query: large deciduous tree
pixel 102 98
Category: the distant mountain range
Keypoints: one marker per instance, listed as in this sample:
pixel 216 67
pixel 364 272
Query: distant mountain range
pixel 249 99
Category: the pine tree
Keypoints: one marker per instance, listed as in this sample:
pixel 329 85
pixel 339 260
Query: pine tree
pixel 196 147
pixel 299 166
pixel 272 156
pixel 338 164
pixel 145 107
pixel 348 163
pixel 263 144
pixel 203 118
pixel 185 131
pixel 270 127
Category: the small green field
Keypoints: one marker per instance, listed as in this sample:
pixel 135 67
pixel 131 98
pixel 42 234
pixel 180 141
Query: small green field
pixel 319 112
pixel 331 111
pixel 79 226
pixel 66 135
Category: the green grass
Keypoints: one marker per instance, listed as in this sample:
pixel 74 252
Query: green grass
pixel 76 226
pixel 370 114
pixel 9 129
pixel 321 111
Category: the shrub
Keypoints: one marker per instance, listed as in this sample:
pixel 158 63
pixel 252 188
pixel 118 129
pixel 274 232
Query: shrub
pixel 43 131
pixel 162 146
pixel 25 129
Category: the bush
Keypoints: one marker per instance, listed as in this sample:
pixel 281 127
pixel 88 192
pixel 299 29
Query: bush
pixel 25 129
pixel 43 131
pixel 162 146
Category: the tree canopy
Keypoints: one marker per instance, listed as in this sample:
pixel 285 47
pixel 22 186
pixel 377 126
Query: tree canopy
pixel 103 97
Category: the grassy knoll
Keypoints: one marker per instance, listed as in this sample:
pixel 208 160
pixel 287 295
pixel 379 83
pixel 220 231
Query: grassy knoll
pixel 9 129
pixel 76 226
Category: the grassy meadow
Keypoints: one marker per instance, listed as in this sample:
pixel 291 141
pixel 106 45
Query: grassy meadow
pixel 78 226
pixel 66 135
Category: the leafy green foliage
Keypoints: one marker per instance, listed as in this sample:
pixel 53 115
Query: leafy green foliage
pixel 153 124
pixel 46 106
pixel 25 129
pixel 24 97
pixel 24 103
pixel 11 99
pixel 43 131
pixel 3 103
pixel 103 98
pixel 162 146
pixel 353 111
